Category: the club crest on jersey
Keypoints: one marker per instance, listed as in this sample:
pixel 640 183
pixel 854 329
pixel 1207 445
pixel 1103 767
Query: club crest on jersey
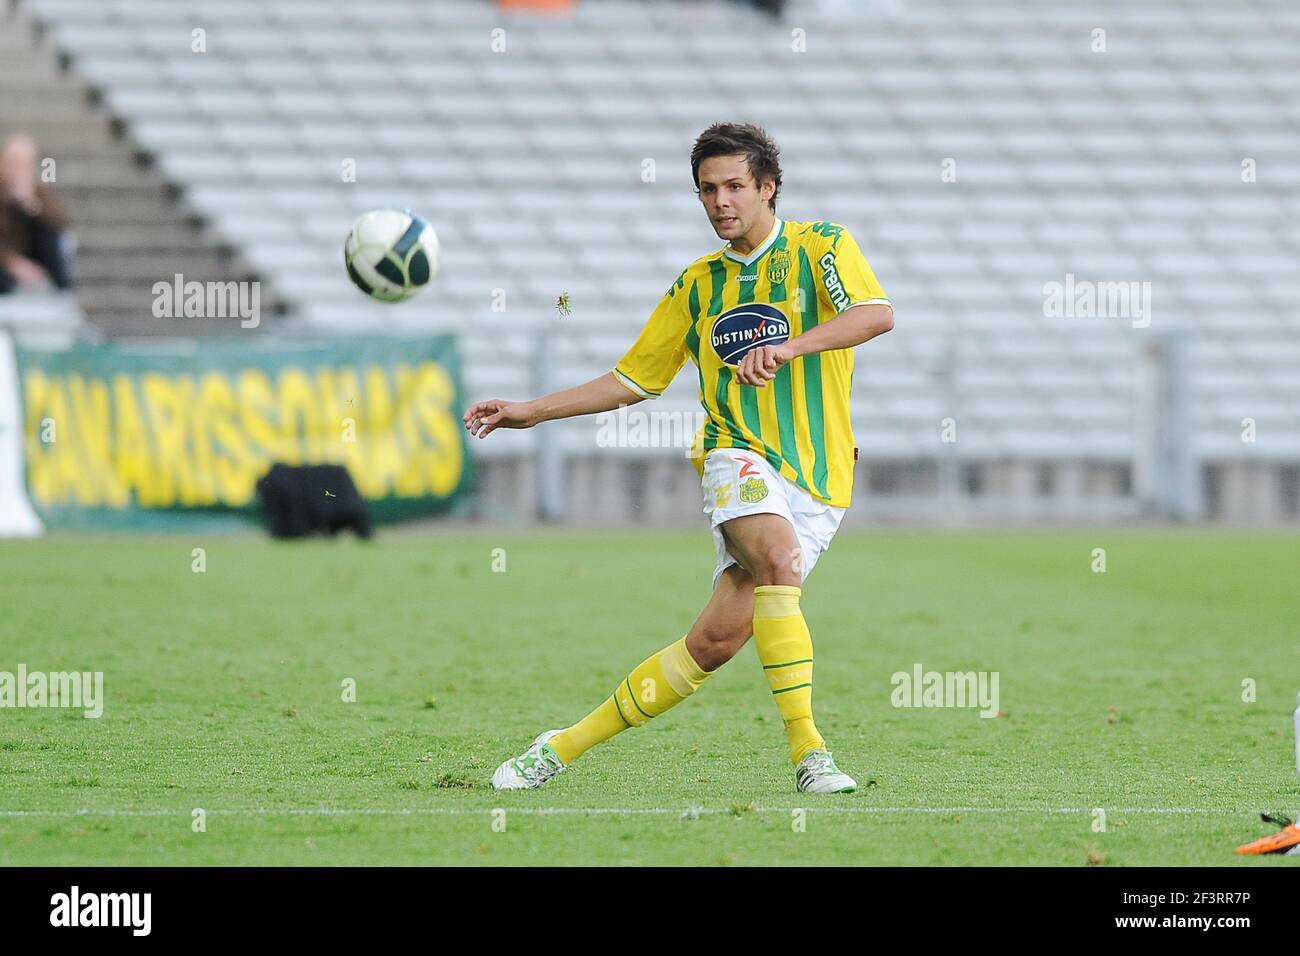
pixel 753 490
pixel 746 327
pixel 778 266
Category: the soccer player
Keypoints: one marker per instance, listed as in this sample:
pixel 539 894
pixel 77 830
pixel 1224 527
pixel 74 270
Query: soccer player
pixel 770 320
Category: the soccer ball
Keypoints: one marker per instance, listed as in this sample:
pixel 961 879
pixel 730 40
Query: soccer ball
pixel 391 255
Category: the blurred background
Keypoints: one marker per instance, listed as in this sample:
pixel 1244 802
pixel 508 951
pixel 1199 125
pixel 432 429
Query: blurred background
pixel 1086 216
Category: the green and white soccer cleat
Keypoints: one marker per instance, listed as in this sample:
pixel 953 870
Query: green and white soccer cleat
pixel 817 773
pixel 532 768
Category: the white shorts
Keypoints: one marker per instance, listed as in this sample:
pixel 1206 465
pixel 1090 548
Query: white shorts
pixel 740 482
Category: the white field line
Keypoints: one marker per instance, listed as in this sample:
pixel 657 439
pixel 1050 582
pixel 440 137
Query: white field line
pixel 604 811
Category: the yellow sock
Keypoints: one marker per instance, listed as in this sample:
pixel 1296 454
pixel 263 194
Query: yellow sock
pixel 656 684
pixel 786 652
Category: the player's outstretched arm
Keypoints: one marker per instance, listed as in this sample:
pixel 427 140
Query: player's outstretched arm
pixel 599 395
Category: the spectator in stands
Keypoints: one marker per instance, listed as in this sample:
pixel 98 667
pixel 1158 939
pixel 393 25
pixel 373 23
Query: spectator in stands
pixel 771 7
pixel 32 222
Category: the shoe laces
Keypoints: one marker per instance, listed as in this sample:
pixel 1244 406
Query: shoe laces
pixel 821 761
pixel 546 763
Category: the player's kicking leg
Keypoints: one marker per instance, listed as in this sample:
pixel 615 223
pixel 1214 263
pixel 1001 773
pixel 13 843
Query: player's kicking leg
pixel 767 546
pixel 656 684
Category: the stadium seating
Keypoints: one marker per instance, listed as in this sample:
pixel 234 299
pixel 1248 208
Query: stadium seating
pixel 128 227
pixel 528 149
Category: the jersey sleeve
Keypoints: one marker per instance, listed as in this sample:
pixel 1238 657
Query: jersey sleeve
pixel 659 352
pixel 845 276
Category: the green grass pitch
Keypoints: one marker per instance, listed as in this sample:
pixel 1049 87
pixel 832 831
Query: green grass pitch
pixel 1121 690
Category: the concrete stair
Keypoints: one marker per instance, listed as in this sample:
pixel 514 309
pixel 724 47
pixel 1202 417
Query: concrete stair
pixel 132 227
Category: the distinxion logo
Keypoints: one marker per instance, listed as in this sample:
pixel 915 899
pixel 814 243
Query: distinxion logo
pixel 746 327
pixel 103 909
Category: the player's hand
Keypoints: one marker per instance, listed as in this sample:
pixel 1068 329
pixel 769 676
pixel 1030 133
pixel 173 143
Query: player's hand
pixel 760 365
pixel 485 417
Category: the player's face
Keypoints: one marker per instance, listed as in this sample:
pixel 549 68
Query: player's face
pixel 736 205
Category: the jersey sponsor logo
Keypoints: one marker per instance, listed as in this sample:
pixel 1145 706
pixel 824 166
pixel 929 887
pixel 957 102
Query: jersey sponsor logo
pixel 831 279
pixel 753 490
pixel 746 278
pixel 778 266
pixel 747 327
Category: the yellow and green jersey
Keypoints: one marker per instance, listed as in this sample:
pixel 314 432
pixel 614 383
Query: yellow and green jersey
pixel 725 304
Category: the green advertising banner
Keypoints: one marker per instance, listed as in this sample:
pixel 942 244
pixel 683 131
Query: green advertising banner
pixel 157 437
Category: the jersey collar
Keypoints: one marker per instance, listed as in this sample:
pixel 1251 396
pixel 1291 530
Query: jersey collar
pixel 758 252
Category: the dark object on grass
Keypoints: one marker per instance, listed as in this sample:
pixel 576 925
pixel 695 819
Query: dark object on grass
pixel 302 500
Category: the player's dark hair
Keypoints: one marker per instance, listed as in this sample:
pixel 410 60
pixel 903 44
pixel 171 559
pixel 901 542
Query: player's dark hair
pixel 745 139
